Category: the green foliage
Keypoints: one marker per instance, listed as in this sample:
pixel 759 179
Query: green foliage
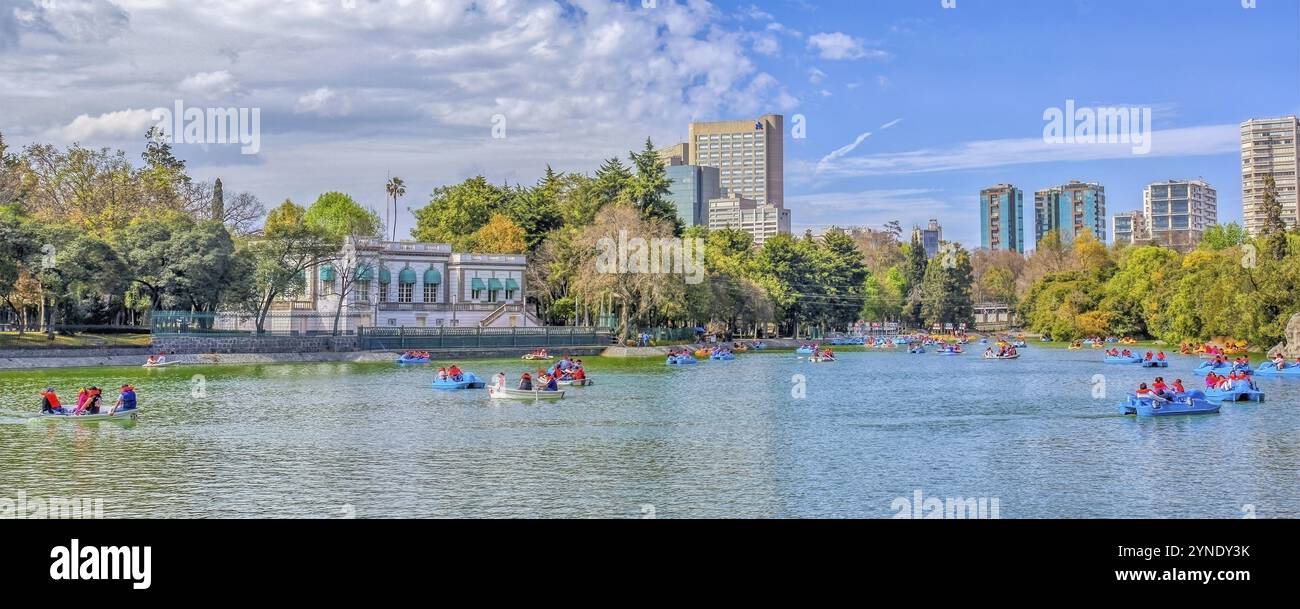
pixel 340 216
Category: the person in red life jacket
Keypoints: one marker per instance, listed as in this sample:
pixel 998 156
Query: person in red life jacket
pixel 1143 392
pixel 1159 386
pixel 455 373
pixel 92 405
pixel 1160 356
pixel 50 402
pixel 1178 387
pixel 1150 356
pixel 1211 380
pixel 579 374
pixel 526 382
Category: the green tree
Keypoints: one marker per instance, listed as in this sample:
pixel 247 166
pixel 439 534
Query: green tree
pixel 946 289
pixel 342 220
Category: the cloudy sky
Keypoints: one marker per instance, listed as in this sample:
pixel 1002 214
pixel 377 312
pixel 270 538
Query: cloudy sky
pixel 910 107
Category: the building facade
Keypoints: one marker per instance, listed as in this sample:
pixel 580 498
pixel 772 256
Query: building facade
pixel 1001 219
pixel 692 188
pixel 930 237
pixel 1129 228
pixel 421 285
pixel 677 154
pixel 1177 212
pixel 749 154
pixel 1268 147
pixel 740 213
pixel 1071 209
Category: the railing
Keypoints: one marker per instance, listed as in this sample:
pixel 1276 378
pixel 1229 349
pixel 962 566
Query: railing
pixel 276 323
pixel 402 338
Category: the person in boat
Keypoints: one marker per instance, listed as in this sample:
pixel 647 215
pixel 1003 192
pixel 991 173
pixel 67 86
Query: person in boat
pixel 1149 356
pixel 1178 388
pixel 579 374
pixel 92 404
pixel 125 400
pixel 988 352
pixel 526 382
pixel 83 394
pixel 50 402
pixel 1160 357
pixel 1279 362
pixel 1145 392
pixel 1160 388
pixel 551 383
pixel 500 383
pixel 455 373
pixel 442 374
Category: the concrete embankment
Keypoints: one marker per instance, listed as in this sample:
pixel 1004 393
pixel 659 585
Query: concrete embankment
pixel 663 350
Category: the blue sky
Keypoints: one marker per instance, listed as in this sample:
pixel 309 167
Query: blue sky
pixel 952 98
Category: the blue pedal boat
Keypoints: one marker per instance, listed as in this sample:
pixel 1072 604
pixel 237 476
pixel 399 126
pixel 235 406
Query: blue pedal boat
pixel 467 381
pixel 1119 359
pixel 1240 392
pixel 1155 363
pixel 1207 367
pixel 412 360
pixel 805 350
pixel 1192 402
pixel 681 360
pixel 723 357
pixel 1269 369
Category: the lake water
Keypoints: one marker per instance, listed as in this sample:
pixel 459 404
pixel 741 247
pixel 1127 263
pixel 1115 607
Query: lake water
pixel 720 439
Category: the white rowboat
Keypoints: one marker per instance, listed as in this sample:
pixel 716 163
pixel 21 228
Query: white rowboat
pixel 520 394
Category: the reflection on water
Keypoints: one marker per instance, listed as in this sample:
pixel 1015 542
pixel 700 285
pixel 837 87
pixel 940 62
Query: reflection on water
pixel 721 439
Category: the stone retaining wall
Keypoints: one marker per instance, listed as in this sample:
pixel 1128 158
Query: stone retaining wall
pixel 176 345
pixel 86 352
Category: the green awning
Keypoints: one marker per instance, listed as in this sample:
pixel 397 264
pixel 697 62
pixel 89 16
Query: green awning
pixel 494 284
pixel 384 276
pixel 511 285
pixel 327 272
pixel 477 284
pixel 432 277
pixel 406 277
pixel 365 273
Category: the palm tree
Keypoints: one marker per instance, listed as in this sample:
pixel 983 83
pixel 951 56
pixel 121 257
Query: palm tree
pixel 396 188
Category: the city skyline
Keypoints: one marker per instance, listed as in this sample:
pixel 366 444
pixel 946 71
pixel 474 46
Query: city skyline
pixel 895 100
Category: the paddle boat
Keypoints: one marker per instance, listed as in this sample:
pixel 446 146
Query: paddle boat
pixel 535 356
pixel 821 359
pixel 723 357
pixel 902 342
pixel 1270 369
pixel 703 353
pixel 157 362
pixel 1154 363
pixel 949 351
pixel 806 350
pixel 759 346
pixel 467 381
pixel 1207 367
pixel 1120 359
pixel 1192 402
pixel 408 359
pixel 524 394
pixel 1019 344
pixel 1240 392
pixel 996 356
pixel 124 415
pixel 681 360
pixel 917 349
pixel 575 383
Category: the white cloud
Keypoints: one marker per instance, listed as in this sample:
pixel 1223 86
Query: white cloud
pixel 884 82
pixel 841 46
pixel 210 84
pixel 120 124
pixel 1189 141
pixel 816 76
pixel 828 161
pixel 324 102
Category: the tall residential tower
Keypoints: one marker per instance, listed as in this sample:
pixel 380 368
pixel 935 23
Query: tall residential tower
pixel 1002 224
pixel 1268 147
pixel 1071 209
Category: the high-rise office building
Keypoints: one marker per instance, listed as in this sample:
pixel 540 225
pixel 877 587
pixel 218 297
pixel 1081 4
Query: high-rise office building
pixel 930 237
pixel 1268 147
pixel 677 154
pixel 1177 212
pixel 1129 228
pixel 1002 218
pixel 761 220
pixel 749 154
pixel 691 190
pixel 1071 209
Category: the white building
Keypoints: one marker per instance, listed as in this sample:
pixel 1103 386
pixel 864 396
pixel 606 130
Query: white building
pixel 760 220
pixel 421 285
pixel 1269 147
pixel 1176 213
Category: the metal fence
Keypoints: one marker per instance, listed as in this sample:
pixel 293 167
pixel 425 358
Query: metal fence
pixel 277 323
pixel 402 338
